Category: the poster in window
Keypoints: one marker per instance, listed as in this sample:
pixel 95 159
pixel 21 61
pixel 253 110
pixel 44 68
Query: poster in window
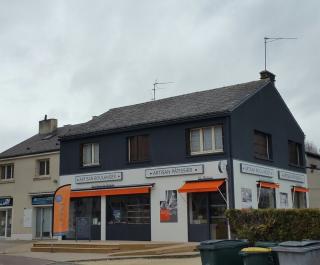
pixel 168 208
pixel 246 198
pixel 284 200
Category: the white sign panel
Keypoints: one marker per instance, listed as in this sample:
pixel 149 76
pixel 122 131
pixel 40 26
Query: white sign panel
pixel 258 170
pixel 112 176
pixel 291 176
pixel 27 218
pixel 174 171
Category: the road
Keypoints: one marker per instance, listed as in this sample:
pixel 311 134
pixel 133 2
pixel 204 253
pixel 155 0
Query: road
pixel 15 260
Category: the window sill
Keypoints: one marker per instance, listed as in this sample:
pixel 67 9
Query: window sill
pixel 264 159
pixel 296 166
pixel 138 162
pixel 205 154
pixel 44 177
pixel 91 166
pixel 5 181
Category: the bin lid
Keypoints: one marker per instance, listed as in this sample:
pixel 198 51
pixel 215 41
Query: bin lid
pixel 224 243
pixel 305 243
pixel 266 244
pixel 297 246
pixel 256 250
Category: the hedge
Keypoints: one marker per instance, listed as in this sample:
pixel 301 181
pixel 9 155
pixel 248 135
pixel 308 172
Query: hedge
pixel 275 224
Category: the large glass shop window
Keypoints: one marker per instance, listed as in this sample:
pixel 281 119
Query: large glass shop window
pixel 131 209
pixel 267 198
pixel 84 207
pixel 299 200
pixel 198 206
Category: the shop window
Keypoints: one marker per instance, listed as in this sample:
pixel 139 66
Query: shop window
pixel 266 197
pixel 6 171
pixel 295 153
pixel 85 207
pixel 90 154
pixel 43 167
pixel 299 199
pixel 206 140
pixel 198 208
pixel 262 145
pixel 138 148
pixel 133 209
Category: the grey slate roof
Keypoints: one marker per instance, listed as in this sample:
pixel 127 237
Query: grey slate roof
pixel 209 102
pixel 39 143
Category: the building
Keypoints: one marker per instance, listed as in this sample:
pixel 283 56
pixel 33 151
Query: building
pixel 166 170
pixel 313 174
pixel 29 175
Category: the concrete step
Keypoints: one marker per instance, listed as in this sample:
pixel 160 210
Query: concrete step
pixel 47 247
pixel 74 250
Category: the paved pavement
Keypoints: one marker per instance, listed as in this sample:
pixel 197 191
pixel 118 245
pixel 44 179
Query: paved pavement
pixel 15 252
pixel 15 260
pixel 180 261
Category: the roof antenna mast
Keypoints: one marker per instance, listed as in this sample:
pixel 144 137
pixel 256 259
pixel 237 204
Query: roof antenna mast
pixel 155 87
pixel 267 40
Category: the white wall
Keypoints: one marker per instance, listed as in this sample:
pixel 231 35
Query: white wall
pixel 159 231
pixel 243 180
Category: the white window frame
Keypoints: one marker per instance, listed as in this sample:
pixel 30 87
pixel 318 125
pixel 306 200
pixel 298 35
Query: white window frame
pixel 45 167
pixel 5 171
pixel 213 150
pixel 92 163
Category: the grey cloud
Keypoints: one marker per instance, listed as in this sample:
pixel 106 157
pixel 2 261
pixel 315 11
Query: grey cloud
pixel 74 59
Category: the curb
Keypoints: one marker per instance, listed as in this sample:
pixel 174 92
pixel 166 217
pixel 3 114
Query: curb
pixel 173 256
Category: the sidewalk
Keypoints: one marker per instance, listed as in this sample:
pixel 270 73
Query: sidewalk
pixel 22 249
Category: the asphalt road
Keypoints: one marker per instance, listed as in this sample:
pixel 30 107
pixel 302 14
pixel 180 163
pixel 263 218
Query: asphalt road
pixel 15 260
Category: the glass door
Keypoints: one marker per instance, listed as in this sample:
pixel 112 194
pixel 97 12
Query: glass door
pixel 5 223
pixel 43 222
pixel 3 217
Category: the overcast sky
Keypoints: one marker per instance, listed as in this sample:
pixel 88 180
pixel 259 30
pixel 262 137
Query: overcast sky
pixel 75 59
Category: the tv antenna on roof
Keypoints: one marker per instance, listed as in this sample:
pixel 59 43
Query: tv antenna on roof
pixel 155 87
pixel 267 40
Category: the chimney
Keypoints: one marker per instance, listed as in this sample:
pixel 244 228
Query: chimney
pixel 265 74
pixel 47 125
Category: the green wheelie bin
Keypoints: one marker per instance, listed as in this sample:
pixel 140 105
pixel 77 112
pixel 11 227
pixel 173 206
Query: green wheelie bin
pixel 269 244
pixel 257 256
pixel 218 252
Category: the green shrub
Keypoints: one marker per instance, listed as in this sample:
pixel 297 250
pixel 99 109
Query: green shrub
pixel 275 224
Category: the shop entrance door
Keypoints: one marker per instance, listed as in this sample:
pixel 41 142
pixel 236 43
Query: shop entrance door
pixel 43 222
pixel 206 216
pixel 128 217
pixel 5 223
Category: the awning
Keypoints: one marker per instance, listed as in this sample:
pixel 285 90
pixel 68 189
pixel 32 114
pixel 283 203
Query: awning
pixel 111 191
pixel 201 186
pixel 268 185
pixel 300 189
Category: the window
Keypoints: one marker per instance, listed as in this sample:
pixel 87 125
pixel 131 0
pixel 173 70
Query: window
pixel 262 145
pixel 284 200
pixel 206 140
pixel 90 154
pixel 6 171
pixel 295 153
pixel 267 198
pixel 43 167
pixel 299 199
pixel 130 209
pixel 138 148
